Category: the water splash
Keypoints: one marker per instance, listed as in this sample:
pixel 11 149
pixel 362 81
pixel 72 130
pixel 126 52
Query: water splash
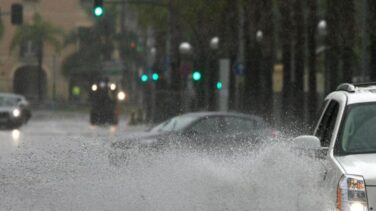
pixel 74 173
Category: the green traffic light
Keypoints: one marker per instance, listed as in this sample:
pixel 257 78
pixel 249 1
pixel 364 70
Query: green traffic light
pixel 196 76
pixel 155 77
pixel 144 78
pixel 219 85
pixel 98 11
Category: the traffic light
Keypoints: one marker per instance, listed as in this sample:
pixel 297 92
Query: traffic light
pixel 155 76
pixel 144 78
pixel 98 9
pixel 196 76
pixel 16 14
pixel 219 85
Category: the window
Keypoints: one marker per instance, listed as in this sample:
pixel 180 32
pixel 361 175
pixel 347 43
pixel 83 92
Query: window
pixel 236 125
pixel 208 126
pixel 359 129
pixel 327 124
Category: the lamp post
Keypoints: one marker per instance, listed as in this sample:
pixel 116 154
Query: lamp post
pixel 322 30
pixel 213 73
pixel 187 92
pixel 259 35
pixel 185 48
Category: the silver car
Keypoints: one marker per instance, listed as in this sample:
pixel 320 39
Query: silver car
pixel 14 110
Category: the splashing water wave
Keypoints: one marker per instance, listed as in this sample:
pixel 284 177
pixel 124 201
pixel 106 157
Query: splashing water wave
pixel 76 175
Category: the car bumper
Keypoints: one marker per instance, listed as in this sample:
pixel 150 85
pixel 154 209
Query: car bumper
pixel 371 195
pixel 6 119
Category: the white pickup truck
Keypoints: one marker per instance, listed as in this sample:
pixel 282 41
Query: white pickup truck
pixel 346 133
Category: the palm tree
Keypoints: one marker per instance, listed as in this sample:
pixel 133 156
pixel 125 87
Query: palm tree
pixel 41 33
pixel 1 28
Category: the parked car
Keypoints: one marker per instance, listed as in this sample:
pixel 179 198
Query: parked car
pixel 14 110
pixel 204 130
pixel 346 134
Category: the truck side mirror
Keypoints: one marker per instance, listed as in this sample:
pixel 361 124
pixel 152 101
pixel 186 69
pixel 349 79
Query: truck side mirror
pixel 307 143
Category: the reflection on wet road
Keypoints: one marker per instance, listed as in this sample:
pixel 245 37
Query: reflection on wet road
pixel 60 162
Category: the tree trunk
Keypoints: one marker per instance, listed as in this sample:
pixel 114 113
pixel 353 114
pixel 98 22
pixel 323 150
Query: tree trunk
pixel 348 39
pixel 286 43
pixel 40 71
pixel 312 81
pixel 174 57
pixel 267 61
pixel 299 56
pixel 372 37
pixel 332 48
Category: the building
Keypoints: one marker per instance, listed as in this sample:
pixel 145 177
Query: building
pixel 18 68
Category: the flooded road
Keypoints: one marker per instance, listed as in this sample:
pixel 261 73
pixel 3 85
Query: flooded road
pixel 60 162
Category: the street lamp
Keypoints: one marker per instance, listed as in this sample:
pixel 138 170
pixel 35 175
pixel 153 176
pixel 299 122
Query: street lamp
pixel 212 79
pixel 322 27
pixel 214 43
pixel 185 48
pixel 259 35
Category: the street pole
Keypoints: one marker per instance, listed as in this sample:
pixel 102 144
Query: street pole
pixel 54 79
pixel 40 71
pixel 241 57
pixel 168 43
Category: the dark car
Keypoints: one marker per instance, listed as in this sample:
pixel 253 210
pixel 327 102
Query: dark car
pixel 105 97
pixel 14 110
pixel 204 130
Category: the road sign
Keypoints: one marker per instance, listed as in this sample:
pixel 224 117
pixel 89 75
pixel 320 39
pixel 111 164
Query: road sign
pixel 239 69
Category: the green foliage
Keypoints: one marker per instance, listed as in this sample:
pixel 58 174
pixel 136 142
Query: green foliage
pixel 96 45
pixel 189 13
pixel 39 31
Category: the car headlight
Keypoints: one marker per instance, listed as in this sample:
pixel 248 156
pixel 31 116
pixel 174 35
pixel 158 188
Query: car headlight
pixel 352 194
pixel 94 87
pixel 113 87
pixel 121 96
pixel 16 112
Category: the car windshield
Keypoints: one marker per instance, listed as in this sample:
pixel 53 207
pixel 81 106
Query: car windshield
pixel 8 101
pixel 359 129
pixel 174 124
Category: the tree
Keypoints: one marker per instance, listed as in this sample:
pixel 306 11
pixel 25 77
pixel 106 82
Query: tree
pixel 299 57
pixel 348 22
pixel 285 35
pixel 372 37
pixel 312 81
pixel 1 28
pixel 96 45
pixel 40 33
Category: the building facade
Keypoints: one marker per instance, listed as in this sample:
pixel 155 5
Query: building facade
pixel 18 68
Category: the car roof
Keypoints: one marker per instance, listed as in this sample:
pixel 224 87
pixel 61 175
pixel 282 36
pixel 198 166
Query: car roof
pixel 3 94
pixel 356 93
pixel 216 113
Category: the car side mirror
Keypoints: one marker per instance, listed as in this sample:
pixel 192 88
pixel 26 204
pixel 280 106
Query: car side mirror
pixel 307 143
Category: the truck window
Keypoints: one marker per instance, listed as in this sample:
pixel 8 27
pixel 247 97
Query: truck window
pixel 326 126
